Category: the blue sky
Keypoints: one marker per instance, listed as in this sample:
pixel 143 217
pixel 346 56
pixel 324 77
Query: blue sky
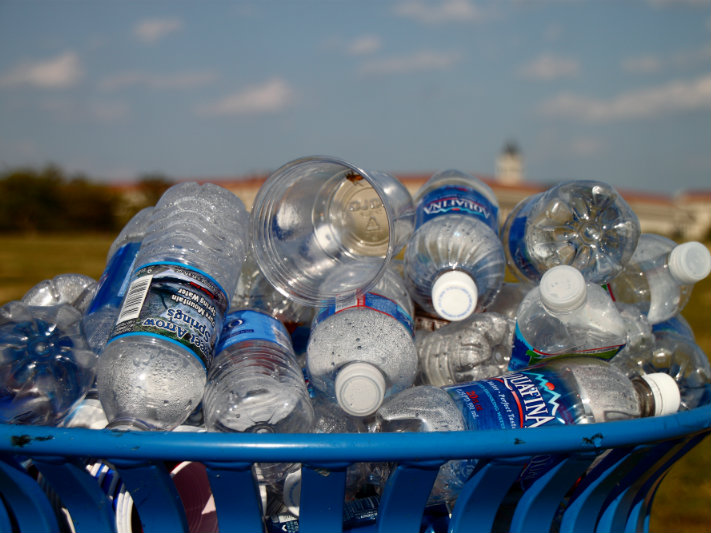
pixel 613 90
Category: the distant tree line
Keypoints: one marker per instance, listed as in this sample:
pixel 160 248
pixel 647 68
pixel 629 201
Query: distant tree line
pixel 48 200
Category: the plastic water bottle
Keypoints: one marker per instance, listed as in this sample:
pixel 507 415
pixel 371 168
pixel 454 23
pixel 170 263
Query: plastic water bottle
pixel 677 324
pixel 509 298
pixel 674 354
pixel 476 348
pixel 454 260
pixel 660 276
pixel 76 290
pixel 255 292
pixel 101 314
pixel 363 350
pixel 255 384
pixel 640 336
pixel 573 390
pixel 585 224
pixel 152 372
pixel 423 408
pixel 564 315
pixel 46 366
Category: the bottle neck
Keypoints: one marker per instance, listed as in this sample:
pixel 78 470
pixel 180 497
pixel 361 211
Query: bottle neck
pixel 645 396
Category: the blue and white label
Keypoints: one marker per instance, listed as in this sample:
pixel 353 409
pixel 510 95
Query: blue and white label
pixel 114 281
pixel 457 200
pixel 247 325
pixel 175 302
pixel 373 301
pixel 516 245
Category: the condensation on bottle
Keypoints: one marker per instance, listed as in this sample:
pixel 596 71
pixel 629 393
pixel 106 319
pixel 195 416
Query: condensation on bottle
pixel 74 289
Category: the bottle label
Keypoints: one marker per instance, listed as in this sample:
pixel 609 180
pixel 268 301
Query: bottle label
pixel 247 325
pixel 516 244
pixel 524 355
pixel 175 302
pixel 114 281
pixel 372 301
pixel 532 398
pixel 457 200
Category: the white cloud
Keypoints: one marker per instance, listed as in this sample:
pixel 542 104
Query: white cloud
pixel 549 67
pixel 270 97
pixel 672 97
pixel 152 30
pixel 365 45
pixel 58 72
pixel 183 80
pixel 443 11
pixel 417 62
pixel 642 64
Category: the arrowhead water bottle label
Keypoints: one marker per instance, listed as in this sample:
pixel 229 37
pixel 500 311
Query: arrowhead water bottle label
pixel 373 301
pixel 524 355
pixel 174 302
pixel 114 281
pixel 457 200
pixel 246 325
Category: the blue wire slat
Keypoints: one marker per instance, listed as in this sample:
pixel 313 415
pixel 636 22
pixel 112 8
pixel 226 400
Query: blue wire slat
pixel 28 503
pixel 322 496
pixel 79 492
pixel 237 497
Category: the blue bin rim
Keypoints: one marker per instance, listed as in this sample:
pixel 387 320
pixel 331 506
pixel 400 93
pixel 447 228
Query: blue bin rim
pixel 333 448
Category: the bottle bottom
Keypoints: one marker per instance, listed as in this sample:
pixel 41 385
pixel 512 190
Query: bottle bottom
pixel 129 424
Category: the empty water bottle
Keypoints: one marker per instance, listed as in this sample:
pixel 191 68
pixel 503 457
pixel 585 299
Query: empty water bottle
pixel 363 350
pixel 674 354
pixel 101 314
pixel 509 298
pixel 660 276
pixel 46 366
pixel 76 290
pixel 255 384
pixel 152 371
pixel 472 349
pixel 564 315
pixel 585 224
pixel 454 260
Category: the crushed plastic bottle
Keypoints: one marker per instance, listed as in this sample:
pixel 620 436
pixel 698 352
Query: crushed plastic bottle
pixel 76 290
pixel 46 367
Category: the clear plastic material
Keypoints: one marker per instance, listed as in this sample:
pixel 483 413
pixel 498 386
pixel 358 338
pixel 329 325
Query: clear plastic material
pixel 594 328
pixel 509 298
pixel 649 281
pixel 456 232
pixel 255 384
pixel 46 366
pixel 373 331
pixel 318 217
pixel 677 355
pixel 76 290
pixel 472 349
pixel 152 372
pixel 583 223
pixel 101 314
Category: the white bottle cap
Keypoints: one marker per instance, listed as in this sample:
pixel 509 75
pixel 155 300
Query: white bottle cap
pixel 690 262
pixel 665 390
pixel 292 491
pixel 562 288
pixel 360 389
pixel 454 295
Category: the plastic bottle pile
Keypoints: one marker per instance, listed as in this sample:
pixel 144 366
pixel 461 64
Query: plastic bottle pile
pixel 193 325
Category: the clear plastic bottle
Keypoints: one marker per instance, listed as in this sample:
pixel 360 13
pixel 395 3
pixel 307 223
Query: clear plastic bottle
pixel 476 348
pixel 660 276
pixel 564 316
pixel 46 367
pixel 100 317
pixel 152 372
pixel 255 384
pixel 582 223
pixel 76 290
pixel 509 298
pixel 454 260
pixel 255 292
pixel 677 355
pixel 362 351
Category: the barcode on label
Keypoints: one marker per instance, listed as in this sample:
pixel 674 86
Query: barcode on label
pixel 133 302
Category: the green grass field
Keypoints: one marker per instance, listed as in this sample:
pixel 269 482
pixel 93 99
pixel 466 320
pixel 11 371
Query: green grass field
pixel 682 504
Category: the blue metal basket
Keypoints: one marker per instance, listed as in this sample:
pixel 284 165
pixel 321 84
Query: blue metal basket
pixel 605 480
